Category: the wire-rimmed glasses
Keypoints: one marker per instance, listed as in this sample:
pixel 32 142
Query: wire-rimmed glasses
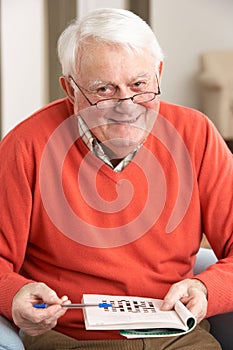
pixel 139 98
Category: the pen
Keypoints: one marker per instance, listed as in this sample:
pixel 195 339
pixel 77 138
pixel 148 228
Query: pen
pixel 74 306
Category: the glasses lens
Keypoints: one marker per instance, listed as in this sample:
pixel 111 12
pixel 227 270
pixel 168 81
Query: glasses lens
pixel 144 97
pixel 139 98
pixel 112 102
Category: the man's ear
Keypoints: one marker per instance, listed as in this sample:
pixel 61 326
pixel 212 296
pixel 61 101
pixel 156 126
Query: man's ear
pixel 67 88
pixel 160 69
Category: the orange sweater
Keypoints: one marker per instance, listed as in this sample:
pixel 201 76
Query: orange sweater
pixel 70 221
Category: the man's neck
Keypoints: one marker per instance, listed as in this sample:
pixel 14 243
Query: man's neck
pixel 112 156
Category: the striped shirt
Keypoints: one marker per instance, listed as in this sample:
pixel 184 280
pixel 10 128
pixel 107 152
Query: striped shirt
pixel 95 147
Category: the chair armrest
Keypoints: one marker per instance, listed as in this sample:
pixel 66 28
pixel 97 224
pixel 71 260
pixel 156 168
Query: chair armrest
pixel 221 328
pixel 9 338
pixel 221 325
pixel 205 257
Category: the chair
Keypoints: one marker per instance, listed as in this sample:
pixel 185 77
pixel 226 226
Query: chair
pixel 216 85
pixel 222 324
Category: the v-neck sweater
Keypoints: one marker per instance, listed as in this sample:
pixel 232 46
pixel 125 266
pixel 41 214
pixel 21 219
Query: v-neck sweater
pixel 70 221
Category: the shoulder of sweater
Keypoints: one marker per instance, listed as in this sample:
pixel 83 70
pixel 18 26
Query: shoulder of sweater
pixel 196 129
pixel 186 119
pixel 172 110
pixel 61 104
pixel 53 113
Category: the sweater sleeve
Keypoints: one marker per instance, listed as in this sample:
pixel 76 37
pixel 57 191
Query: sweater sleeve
pixel 15 207
pixel 216 197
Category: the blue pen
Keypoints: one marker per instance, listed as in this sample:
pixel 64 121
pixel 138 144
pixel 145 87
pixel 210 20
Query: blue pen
pixel 74 306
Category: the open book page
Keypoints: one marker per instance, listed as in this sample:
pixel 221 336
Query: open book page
pixel 130 313
pixel 184 314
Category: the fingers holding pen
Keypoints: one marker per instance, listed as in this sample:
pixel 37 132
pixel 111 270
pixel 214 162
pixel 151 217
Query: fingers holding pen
pixel 37 321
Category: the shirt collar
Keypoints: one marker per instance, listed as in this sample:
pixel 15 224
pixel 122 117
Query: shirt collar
pixel 95 147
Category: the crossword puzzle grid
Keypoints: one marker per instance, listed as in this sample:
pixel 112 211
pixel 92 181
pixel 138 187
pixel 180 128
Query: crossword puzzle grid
pixel 133 306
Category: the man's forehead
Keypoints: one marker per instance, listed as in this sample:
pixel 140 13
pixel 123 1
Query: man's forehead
pixel 102 55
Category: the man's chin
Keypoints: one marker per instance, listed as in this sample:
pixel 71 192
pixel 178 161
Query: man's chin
pixel 121 147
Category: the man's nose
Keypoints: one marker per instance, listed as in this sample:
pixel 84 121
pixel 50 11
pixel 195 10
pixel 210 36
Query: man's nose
pixel 125 105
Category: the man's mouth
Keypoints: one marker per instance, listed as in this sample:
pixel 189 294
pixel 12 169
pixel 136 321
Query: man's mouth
pixel 125 121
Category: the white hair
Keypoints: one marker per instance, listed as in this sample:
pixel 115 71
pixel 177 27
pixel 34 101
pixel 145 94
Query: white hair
pixel 113 26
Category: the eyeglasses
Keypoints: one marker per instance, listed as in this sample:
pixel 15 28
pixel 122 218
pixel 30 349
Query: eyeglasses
pixel 113 102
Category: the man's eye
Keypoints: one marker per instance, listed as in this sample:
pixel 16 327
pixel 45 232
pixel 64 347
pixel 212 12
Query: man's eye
pixel 139 86
pixel 102 89
pixel 138 83
pixel 105 91
pixel 141 83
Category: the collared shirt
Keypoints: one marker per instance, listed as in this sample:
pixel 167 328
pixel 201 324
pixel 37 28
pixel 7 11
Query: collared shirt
pixel 95 147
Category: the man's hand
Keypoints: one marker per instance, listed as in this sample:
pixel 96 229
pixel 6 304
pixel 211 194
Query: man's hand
pixel 192 293
pixel 37 321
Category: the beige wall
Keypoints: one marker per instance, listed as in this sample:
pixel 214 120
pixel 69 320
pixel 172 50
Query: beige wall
pixel 23 60
pixel 29 73
pixel 84 6
pixel 29 64
pixel 185 29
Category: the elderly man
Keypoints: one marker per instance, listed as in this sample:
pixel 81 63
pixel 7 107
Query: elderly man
pixel 108 191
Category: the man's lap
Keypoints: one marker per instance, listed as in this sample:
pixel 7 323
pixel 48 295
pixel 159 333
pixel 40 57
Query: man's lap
pixel 198 339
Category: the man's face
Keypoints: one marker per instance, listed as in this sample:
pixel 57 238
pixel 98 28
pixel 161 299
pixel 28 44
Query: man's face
pixel 112 72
